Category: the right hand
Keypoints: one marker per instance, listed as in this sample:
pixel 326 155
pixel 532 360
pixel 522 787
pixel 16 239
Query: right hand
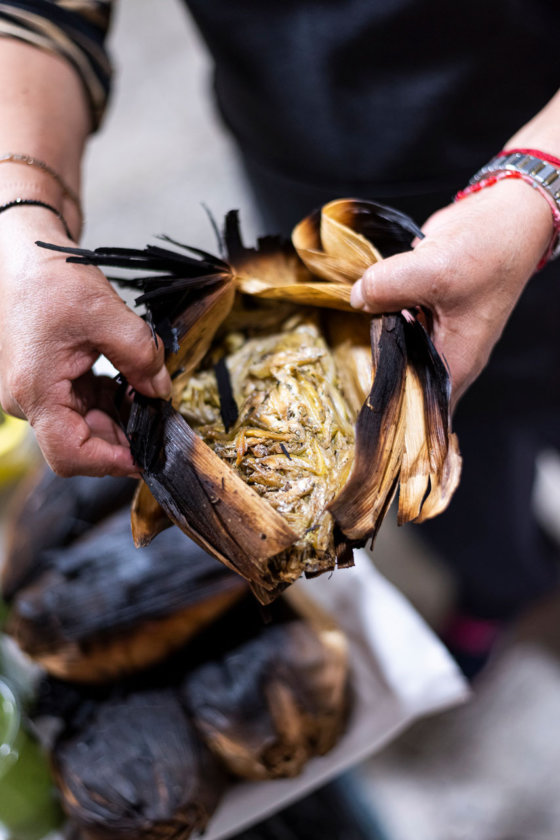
pixel 55 320
pixel 468 271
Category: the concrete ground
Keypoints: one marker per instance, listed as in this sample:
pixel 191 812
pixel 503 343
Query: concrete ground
pixel 486 771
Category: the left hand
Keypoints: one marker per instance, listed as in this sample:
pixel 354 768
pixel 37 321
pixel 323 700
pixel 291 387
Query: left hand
pixel 469 271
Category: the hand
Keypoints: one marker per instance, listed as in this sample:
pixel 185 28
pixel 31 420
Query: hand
pixel 56 319
pixel 469 271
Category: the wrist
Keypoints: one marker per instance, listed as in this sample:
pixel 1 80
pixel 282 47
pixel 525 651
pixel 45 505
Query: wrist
pixel 540 173
pixel 21 192
pixel 20 229
pixel 25 177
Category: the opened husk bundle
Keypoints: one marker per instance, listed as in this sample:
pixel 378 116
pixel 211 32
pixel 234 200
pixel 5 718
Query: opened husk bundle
pixel 282 447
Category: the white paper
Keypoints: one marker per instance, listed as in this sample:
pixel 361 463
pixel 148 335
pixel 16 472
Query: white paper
pixel 400 671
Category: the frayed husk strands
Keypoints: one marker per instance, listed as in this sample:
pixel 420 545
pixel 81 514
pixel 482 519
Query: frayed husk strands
pixel 278 452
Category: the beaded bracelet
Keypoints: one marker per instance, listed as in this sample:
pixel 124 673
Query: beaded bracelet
pixel 28 160
pixel 538 169
pixel 34 202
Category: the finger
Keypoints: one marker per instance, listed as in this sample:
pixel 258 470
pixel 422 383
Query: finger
pixel 395 283
pixel 128 343
pixel 103 426
pixel 72 447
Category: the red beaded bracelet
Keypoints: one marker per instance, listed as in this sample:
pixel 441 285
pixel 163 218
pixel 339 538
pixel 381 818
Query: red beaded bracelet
pixel 538 169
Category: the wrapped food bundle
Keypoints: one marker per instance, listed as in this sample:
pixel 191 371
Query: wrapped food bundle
pixel 294 419
pixel 275 694
pixel 218 690
pixel 130 764
pixel 93 608
pixel 151 755
pixel 49 512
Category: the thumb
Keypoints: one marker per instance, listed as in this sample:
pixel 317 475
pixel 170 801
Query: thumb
pixel 393 284
pixel 127 341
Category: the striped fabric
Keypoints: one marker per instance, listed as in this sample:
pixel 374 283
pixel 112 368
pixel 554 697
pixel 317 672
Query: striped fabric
pixel 74 29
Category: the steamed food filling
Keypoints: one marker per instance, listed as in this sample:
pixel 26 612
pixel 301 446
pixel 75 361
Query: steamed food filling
pixel 293 441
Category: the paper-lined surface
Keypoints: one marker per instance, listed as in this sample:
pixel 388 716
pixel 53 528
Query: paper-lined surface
pixel 400 671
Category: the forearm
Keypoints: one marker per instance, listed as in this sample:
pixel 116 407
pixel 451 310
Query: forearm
pixel 55 318
pixel 44 113
pixel 542 132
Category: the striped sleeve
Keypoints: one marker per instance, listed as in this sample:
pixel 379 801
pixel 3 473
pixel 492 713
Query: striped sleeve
pixel 74 29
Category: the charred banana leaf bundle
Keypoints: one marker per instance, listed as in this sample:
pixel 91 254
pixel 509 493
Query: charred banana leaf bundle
pixel 294 419
pixel 97 608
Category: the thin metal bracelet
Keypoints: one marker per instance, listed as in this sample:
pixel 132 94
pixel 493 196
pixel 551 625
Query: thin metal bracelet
pixel 34 202
pixel 28 160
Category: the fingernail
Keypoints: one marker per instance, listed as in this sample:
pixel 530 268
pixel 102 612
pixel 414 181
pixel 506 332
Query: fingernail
pixel 161 383
pixel 356 295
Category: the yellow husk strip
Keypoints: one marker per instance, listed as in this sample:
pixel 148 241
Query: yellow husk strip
pixel 332 250
pixel 331 295
pixel 349 340
pixel 415 467
pixel 200 322
pixel 147 517
pixel 444 484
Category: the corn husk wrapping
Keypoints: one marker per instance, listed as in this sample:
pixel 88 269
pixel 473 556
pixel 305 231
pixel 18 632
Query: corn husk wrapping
pixel 126 755
pixel 129 764
pixel 402 437
pixel 150 755
pixel 92 608
pixel 51 513
pixel 276 694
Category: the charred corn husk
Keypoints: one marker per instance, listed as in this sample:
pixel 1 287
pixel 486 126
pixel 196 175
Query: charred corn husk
pixel 98 608
pixel 149 756
pixel 278 453
pixel 49 512
pixel 277 695
pixel 130 765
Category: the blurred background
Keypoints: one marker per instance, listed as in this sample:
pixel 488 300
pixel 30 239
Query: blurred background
pixel 485 771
